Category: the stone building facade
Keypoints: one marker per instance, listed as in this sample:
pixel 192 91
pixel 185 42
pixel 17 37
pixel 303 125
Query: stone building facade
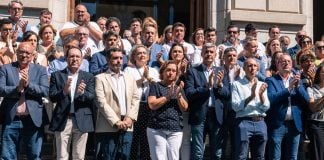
pixel 290 15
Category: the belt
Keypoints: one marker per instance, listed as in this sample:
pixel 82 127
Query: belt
pixel 253 118
pixel 21 117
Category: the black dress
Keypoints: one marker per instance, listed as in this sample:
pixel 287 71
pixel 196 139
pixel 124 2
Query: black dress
pixel 140 147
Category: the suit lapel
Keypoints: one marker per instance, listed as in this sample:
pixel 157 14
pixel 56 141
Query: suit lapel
pixel 31 74
pixel 202 74
pixel 281 82
pixel 111 84
pixel 15 72
pixel 80 77
pixel 64 77
pixel 127 86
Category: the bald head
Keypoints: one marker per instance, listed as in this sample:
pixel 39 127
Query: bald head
pixel 25 53
pixel 251 68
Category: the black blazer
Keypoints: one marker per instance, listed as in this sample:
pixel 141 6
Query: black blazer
pixel 198 96
pixel 82 103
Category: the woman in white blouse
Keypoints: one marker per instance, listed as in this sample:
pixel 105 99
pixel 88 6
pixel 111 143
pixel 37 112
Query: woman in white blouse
pixel 144 76
pixel 316 122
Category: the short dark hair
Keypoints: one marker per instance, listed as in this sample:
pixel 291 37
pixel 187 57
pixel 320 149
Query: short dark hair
pixel 109 33
pixel 273 26
pixel 67 51
pixel 233 26
pixel 249 27
pixel 178 24
pixel 210 29
pixel 112 19
pixel 111 50
pixel 5 21
pixel 135 19
pixel 45 12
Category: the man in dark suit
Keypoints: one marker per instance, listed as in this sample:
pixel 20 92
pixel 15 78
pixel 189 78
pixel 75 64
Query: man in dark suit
pixel 287 95
pixel 23 84
pixel 98 62
pixel 205 92
pixel 73 91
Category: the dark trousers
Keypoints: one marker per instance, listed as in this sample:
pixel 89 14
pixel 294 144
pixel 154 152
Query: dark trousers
pixel 140 147
pixel 316 136
pixel 198 133
pixel 115 145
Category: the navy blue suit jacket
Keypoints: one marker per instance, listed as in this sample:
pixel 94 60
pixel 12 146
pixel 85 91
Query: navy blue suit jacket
pixel 98 62
pixel 198 95
pixel 36 89
pixel 278 97
pixel 82 103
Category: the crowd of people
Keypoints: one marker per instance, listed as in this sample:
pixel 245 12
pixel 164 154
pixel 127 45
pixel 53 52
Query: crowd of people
pixel 142 96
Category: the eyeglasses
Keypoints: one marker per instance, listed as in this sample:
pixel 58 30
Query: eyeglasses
pixel 234 32
pixel 307 42
pixel 83 34
pixel 21 52
pixel 284 61
pixel 320 47
pixel 17 9
pixel 300 36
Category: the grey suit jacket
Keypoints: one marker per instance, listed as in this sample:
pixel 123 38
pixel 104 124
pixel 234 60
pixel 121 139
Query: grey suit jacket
pixel 37 88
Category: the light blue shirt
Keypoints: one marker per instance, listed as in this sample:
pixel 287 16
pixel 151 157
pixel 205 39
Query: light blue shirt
pixel 241 90
pixel 155 49
pixel 60 64
pixel 20 31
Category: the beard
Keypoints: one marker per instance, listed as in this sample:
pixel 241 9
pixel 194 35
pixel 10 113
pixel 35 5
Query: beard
pixel 116 68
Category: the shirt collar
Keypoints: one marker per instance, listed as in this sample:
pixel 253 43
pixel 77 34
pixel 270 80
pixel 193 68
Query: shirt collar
pixel 206 69
pixel 109 71
pixel 70 73
pixel 247 80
